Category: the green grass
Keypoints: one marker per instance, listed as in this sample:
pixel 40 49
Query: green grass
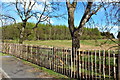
pixel 0 54
pixel 96 42
pixel 50 72
pixel 57 43
pixel 65 43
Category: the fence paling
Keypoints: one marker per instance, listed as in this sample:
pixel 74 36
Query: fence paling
pixel 66 62
pixel 79 66
pixel 109 62
pixel 85 67
pixel 95 65
pixel 71 64
pixel 99 64
pixel 104 63
pixel 85 64
pixel 114 65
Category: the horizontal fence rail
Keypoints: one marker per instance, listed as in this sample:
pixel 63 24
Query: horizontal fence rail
pixel 88 64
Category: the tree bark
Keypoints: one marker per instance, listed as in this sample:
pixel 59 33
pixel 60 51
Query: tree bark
pixel 22 35
pixel 75 42
pixel 74 32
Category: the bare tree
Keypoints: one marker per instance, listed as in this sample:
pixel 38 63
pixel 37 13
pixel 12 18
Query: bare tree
pixel 27 12
pixel 76 32
pixel 112 21
pixel 40 11
pixel 89 11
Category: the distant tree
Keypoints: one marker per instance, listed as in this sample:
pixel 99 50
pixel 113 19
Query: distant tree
pixel 50 32
pixel 39 33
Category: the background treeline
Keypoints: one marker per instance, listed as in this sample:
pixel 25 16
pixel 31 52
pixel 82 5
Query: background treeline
pixel 50 32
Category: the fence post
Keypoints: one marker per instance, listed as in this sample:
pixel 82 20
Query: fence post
pixel 71 64
pixel 78 64
pixel 31 54
pixel 103 63
pixel 118 59
pixel 118 64
pixel 118 53
pixel 53 60
pixel 114 68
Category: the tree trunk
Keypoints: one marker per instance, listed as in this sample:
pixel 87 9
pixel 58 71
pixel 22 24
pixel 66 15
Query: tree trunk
pixel 22 35
pixel 75 45
pixel 75 42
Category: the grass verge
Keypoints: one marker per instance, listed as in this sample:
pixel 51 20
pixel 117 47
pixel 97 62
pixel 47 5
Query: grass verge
pixel 0 54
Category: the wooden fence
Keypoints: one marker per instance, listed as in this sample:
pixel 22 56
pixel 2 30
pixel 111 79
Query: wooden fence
pixel 88 64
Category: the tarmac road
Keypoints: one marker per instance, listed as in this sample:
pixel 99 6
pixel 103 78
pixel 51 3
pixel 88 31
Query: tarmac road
pixel 15 68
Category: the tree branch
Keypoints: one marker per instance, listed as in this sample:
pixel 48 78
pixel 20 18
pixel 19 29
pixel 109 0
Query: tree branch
pixel 28 12
pixel 19 13
pixel 40 16
pixel 71 8
pixel 8 17
pixel 86 15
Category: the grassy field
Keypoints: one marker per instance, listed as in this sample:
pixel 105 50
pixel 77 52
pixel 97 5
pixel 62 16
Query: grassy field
pixel 85 44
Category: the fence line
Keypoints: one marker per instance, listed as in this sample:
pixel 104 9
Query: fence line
pixel 89 64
